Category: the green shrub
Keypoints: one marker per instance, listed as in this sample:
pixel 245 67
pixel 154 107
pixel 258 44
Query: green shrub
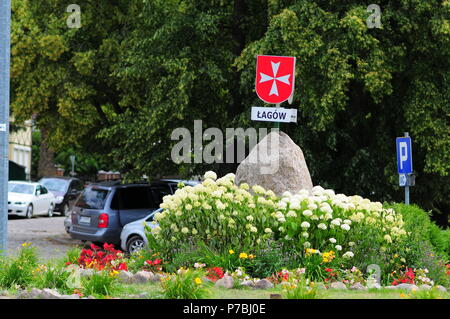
pixel 301 290
pixel 271 259
pixel 187 284
pixel 418 221
pixel 226 216
pixel 72 255
pixel 18 270
pixel 52 276
pixel 102 284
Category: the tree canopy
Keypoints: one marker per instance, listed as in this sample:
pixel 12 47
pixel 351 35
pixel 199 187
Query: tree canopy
pixel 136 70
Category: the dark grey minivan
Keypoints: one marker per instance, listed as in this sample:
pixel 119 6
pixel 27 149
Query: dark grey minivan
pixel 102 209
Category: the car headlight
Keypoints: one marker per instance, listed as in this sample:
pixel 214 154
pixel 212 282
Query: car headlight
pixel 59 199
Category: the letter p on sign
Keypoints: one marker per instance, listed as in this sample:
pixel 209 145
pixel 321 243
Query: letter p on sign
pixel 404 155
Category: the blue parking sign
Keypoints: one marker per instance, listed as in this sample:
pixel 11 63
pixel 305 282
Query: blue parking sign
pixel 404 155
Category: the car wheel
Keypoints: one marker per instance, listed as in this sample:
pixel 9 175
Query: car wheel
pixel 29 211
pixel 50 211
pixel 135 244
pixel 65 211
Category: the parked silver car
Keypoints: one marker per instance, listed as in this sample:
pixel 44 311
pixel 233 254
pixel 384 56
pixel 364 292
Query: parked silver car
pixel 133 236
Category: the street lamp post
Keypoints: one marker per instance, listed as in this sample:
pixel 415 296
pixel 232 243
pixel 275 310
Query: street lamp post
pixel 5 31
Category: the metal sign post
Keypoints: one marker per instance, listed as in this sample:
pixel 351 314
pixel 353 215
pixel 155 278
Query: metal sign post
pixel 5 31
pixel 405 164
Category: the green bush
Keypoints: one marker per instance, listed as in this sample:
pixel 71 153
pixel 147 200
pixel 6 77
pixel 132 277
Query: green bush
pixel 19 270
pixel 226 216
pixel 102 284
pixel 418 221
pixel 301 290
pixel 187 284
pixel 52 276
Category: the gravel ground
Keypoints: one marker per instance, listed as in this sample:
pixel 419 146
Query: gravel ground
pixel 46 233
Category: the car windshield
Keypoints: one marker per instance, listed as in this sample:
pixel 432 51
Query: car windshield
pixel 92 198
pixel 55 184
pixel 20 188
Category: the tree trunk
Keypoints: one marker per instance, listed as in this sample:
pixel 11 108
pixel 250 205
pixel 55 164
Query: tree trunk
pixel 46 165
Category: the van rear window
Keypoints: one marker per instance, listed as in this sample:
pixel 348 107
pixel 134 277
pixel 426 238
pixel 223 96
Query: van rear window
pixel 92 198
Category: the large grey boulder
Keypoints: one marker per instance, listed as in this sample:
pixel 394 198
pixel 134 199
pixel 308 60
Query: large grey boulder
pixel 126 277
pixel 143 276
pixel 263 284
pixel 50 294
pixel 275 163
pixel 225 282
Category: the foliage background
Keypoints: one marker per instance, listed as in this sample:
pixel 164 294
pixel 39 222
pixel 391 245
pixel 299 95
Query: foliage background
pixel 136 70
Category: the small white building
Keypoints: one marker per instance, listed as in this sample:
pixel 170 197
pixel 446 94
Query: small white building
pixel 20 143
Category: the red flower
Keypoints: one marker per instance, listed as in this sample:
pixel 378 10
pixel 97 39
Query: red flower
pixel 157 261
pixel 109 247
pixel 328 269
pixel 94 247
pixel 123 266
pixel 215 273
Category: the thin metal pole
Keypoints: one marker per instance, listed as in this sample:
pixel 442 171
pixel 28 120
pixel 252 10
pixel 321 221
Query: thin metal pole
pixel 5 32
pixel 407 181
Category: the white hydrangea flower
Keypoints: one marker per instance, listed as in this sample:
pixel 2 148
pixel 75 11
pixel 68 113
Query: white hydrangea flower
pixel 305 225
pixel 332 240
pixel 249 218
pixel 185 230
pixel 348 255
pixel 388 238
pixel 268 231
pixel 336 222
pixel 338 247
pixel 345 227
pixel 322 226
pixel 210 175
pixel 291 214
pixel 307 213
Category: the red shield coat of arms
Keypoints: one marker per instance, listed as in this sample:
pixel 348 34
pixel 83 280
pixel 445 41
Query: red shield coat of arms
pixel 275 78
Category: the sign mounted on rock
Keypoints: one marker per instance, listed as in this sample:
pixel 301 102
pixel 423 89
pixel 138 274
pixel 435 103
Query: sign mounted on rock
pixel 274 114
pixel 275 78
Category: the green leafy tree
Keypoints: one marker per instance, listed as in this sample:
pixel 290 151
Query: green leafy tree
pixel 61 75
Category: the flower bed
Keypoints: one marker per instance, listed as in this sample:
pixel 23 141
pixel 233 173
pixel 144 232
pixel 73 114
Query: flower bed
pixel 315 230
pixel 223 235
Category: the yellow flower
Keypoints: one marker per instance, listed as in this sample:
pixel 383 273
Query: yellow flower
pixel 402 295
pixel 243 255
pixel 113 273
pixel 26 244
pixel 251 256
pixel 231 251
pixel 198 281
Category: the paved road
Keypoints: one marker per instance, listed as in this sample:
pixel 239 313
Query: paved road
pixel 46 233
